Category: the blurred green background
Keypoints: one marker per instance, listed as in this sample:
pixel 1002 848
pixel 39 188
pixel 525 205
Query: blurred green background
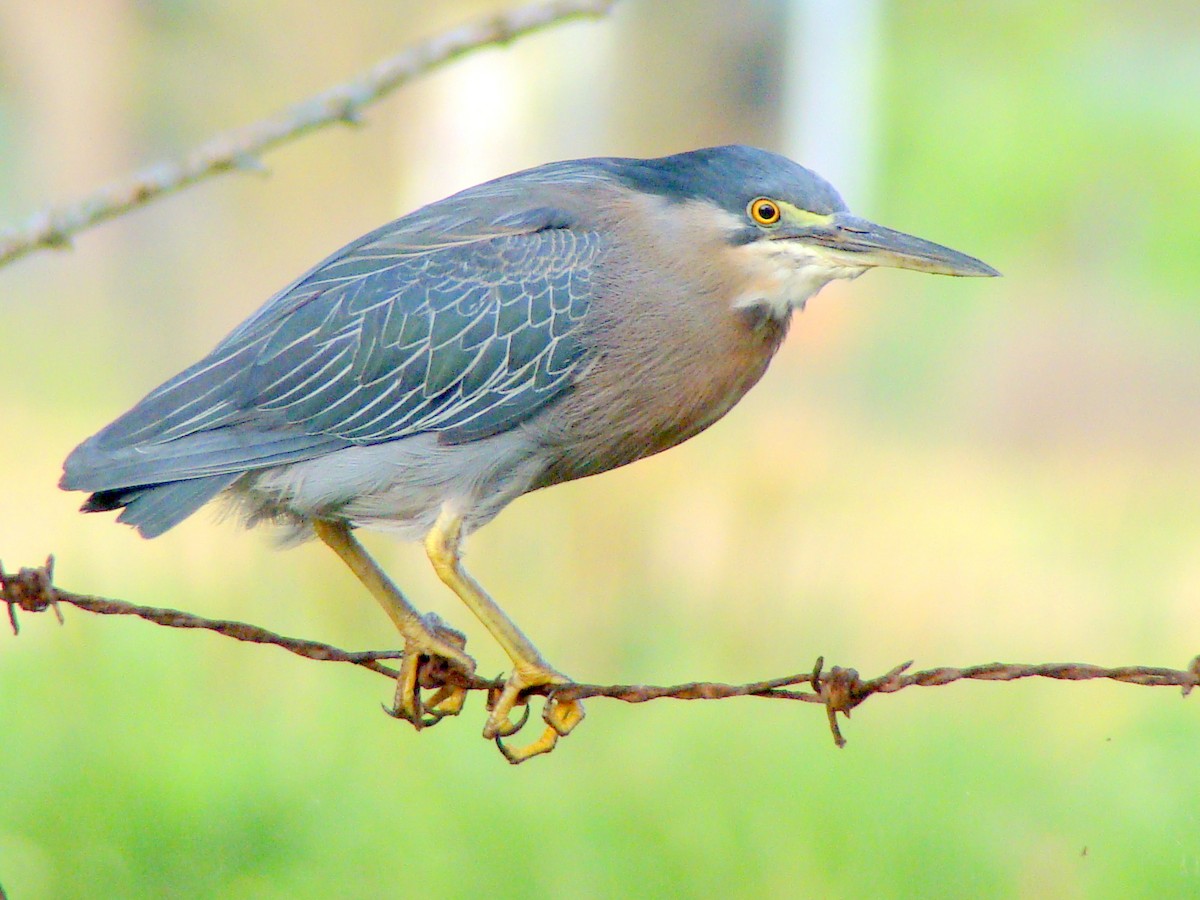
pixel 949 471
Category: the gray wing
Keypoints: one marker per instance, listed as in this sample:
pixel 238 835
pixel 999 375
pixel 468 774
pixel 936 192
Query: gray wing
pixel 477 338
pixel 386 339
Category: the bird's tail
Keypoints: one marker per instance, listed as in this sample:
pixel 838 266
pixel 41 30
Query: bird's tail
pixel 156 508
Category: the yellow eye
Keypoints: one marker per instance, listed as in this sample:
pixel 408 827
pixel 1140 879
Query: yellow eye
pixel 764 211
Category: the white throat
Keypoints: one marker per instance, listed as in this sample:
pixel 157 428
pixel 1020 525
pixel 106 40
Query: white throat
pixel 784 274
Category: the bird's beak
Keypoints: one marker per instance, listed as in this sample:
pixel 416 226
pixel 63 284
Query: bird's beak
pixel 852 241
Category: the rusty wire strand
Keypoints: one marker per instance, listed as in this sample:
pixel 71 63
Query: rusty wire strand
pixel 838 689
pixel 240 149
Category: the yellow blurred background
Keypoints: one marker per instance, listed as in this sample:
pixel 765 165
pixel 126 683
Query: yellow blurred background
pixel 948 471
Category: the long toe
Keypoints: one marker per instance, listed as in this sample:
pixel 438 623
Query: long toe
pixel 561 716
pixel 446 701
pixel 407 702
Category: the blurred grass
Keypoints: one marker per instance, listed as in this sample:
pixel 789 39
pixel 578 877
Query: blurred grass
pixel 952 471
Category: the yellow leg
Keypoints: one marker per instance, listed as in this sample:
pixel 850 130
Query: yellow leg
pixel 529 668
pixel 425 638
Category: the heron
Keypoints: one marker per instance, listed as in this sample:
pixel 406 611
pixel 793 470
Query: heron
pixel 545 326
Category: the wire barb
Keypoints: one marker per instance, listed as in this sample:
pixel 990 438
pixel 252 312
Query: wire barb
pixel 31 589
pixel 839 689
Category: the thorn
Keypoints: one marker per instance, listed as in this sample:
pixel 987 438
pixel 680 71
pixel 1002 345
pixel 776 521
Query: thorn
pixel 1194 669
pixel 837 692
pixel 494 692
pixel 57 240
pixel 12 603
pixel 248 162
pixel 48 583
pixel 350 114
pixel 838 740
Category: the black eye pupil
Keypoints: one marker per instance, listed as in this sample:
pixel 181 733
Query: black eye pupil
pixel 766 211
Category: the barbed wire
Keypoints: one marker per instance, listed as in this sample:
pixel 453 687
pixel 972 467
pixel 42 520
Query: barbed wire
pixel 838 689
pixel 240 149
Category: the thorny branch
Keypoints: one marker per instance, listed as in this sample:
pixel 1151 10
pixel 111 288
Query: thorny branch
pixel 838 690
pixel 240 149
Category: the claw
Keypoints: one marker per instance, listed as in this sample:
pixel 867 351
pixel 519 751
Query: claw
pixel 508 727
pixel 518 755
pixel 560 716
pixel 429 668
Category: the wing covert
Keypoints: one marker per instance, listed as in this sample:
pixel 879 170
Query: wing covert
pixel 464 339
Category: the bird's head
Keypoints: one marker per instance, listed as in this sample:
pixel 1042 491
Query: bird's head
pixel 784 223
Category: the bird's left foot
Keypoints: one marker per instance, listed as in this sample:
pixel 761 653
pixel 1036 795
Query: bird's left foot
pixel 560 716
pixel 432 668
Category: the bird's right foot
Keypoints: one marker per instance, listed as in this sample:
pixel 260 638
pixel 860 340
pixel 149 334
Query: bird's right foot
pixel 560 716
